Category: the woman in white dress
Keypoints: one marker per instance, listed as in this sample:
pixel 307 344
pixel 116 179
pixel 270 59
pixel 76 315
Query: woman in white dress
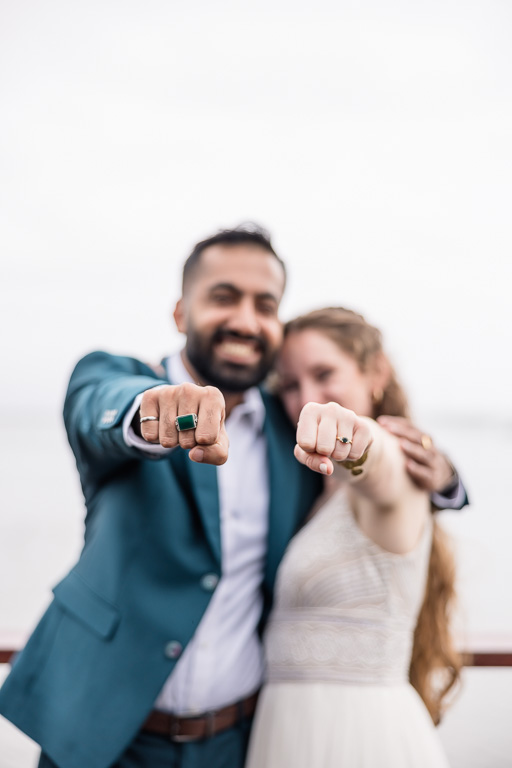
pixel 359 656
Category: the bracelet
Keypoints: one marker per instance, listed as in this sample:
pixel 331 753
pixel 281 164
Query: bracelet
pixel 355 466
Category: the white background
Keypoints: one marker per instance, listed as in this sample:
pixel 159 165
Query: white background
pixel 373 139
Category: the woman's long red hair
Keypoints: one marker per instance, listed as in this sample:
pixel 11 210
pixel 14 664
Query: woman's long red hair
pixel 435 664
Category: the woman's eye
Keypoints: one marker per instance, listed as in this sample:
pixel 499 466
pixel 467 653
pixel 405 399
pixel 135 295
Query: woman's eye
pixel 323 375
pixel 288 386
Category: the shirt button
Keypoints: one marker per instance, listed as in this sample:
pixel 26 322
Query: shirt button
pixel 173 649
pixel 209 581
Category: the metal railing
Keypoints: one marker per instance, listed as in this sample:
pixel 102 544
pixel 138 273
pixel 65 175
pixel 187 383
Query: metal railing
pixel 495 656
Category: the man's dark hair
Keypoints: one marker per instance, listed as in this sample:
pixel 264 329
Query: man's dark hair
pixel 247 233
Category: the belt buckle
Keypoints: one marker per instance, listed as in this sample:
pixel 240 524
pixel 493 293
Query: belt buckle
pixel 181 738
pixel 178 737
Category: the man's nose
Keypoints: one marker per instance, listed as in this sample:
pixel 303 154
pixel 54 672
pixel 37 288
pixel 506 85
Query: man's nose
pixel 245 319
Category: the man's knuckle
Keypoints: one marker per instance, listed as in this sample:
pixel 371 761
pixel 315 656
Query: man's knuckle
pixel 187 439
pixel 204 437
pixel 168 421
pixel 148 398
pixel 213 392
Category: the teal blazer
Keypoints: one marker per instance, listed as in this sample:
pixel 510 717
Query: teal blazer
pixel 97 660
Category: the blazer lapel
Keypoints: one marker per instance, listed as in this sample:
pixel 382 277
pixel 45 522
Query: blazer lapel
pixel 285 506
pixel 203 485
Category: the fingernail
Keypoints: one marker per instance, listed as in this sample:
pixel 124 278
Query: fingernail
pixel 198 454
pixel 323 468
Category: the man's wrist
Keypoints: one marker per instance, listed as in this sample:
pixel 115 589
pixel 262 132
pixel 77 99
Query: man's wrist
pixel 451 486
pixel 135 423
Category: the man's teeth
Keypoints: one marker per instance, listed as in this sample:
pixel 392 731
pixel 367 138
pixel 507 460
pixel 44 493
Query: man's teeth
pixel 235 348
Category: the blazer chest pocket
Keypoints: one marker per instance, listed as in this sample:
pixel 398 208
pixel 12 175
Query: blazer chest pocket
pixel 84 604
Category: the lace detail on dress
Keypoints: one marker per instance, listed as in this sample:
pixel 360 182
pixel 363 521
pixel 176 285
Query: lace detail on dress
pixel 345 609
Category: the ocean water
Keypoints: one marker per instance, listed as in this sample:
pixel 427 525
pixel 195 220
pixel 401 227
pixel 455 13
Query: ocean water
pixel 41 527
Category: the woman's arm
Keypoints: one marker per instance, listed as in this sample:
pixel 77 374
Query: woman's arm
pixel 389 508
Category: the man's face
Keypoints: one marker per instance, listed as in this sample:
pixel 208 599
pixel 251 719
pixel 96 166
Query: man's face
pixel 229 313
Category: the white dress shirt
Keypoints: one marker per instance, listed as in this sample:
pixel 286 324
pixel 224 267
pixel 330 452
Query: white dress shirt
pixel 223 662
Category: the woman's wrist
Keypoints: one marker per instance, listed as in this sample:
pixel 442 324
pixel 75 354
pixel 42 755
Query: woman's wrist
pixel 355 466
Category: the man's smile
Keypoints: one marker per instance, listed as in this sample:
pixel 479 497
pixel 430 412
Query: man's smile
pixel 239 351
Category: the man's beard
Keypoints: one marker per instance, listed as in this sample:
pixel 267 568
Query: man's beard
pixel 227 376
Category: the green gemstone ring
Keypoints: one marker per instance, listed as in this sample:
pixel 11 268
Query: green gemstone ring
pixel 344 440
pixel 189 421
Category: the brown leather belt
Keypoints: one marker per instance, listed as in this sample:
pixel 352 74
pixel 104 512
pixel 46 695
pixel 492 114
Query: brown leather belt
pixel 202 726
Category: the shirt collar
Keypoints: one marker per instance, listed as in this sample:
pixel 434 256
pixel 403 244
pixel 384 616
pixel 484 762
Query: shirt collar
pixel 252 405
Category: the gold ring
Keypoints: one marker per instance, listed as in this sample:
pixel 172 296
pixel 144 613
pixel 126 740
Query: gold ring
pixel 426 442
pixel 344 440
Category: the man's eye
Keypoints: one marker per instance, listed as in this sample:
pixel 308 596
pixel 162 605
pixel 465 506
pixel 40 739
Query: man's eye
pixel 222 298
pixel 267 309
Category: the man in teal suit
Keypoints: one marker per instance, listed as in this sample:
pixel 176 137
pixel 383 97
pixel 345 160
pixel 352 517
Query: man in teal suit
pixel 149 654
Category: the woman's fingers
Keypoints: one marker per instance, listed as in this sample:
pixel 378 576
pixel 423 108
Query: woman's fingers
pixel 330 431
pixel 307 428
pixel 315 461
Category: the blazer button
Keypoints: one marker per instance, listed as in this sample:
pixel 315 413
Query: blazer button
pixel 209 581
pixel 173 649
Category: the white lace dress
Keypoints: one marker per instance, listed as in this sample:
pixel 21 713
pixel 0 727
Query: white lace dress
pixel 338 646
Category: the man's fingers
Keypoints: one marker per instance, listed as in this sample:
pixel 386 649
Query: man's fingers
pixel 149 415
pixel 207 403
pixel 168 434
pixel 188 405
pixel 421 474
pixel 401 427
pixel 428 467
pixel 215 454
pixel 210 416
pixel 417 452
pixel 161 406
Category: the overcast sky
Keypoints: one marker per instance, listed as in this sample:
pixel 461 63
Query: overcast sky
pixel 373 139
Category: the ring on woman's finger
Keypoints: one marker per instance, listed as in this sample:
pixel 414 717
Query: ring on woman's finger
pixel 344 440
pixel 426 442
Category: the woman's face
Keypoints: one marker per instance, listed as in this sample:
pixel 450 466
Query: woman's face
pixel 312 368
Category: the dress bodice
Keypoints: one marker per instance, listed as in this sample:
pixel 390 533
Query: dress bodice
pixel 345 609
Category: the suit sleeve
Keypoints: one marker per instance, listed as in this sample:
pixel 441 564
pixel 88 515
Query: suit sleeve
pixel 100 392
pixel 452 497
